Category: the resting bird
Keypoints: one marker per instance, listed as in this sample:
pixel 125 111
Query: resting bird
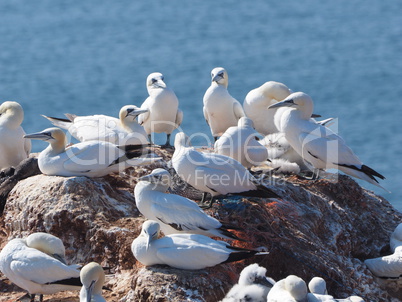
pixel 319 146
pixel 292 288
pixel 221 110
pixel 37 265
pixel 174 213
pixel 214 173
pixel 240 143
pixel 256 105
pixel 92 159
pixel 13 147
pixel 163 113
pixel 92 278
pixel 184 251
pixel 120 131
pixel 253 284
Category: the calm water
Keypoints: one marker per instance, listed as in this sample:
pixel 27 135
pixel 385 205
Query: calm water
pixel 88 57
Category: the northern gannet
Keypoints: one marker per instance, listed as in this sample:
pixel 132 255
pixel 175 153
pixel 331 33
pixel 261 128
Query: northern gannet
pixel 92 158
pixel 290 289
pixel 92 278
pixel 256 105
pixel 120 131
pixel 318 145
pixel 214 173
pixel 240 142
pixel 184 251
pixel 163 113
pixel 221 110
pixel 174 213
pixel 13 147
pixel 37 265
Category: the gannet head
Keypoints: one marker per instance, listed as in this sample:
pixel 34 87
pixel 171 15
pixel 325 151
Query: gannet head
pixel 181 140
pixel 155 80
pixel 130 110
pixel 317 285
pixel 48 244
pixel 92 278
pixel 150 230
pixel 54 136
pixel 245 122
pixel 220 76
pixel 298 100
pixel 158 177
pixel 13 112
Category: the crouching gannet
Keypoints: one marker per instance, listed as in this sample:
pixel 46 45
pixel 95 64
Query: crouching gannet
pixel 174 213
pixel 221 110
pixel 317 144
pixel 37 265
pixel 92 158
pixel 120 131
pixel 163 113
pixel 184 251
pixel 13 147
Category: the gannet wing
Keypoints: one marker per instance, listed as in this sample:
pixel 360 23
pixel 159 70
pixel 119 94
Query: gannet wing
pixel 96 128
pixel 204 110
pixel 182 213
pixel 143 117
pixel 238 110
pixel 179 117
pixel 40 268
pixel 387 266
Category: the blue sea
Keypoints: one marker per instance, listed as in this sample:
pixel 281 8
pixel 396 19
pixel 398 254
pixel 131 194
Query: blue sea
pixel 93 57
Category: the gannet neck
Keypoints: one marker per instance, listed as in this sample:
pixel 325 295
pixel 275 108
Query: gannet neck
pixel 11 114
pixel 181 140
pixel 150 231
pixel 220 77
pixel 92 278
pixel 58 145
pixel 304 104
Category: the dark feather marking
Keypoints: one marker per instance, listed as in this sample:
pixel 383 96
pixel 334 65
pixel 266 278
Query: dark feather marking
pixel 365 169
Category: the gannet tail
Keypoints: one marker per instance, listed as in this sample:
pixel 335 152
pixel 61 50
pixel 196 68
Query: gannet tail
pixel 59 122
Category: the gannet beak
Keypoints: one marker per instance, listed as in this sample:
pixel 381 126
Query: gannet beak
pixel 136 112
pixel 285 103
pixel 216 78
pixel 44 136
pixel 159 83
pixel 263 281
pixel 60 258
pixel 89 291
pixel 315 115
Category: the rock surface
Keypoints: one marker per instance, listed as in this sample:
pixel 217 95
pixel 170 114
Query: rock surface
pixel 318 228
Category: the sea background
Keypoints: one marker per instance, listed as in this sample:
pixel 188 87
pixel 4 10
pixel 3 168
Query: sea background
pixel 93 57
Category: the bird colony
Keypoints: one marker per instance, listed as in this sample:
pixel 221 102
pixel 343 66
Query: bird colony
pixel 274 127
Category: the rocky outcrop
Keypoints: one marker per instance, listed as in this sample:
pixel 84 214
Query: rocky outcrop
pixel 318 228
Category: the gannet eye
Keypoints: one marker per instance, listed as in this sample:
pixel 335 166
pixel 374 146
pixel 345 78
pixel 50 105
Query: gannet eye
pixel 154 81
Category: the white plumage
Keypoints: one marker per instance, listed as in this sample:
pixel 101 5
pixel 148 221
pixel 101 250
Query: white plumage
pixel 221 110
pixel 92 158
pixel 318 145
pixel 256 105
pixel 387 266
pixel 240 142
pixel 163 113
pixel 92 278
pixel 13 147
pixel 120 131
pixel 34 264
pixel 184 251
pixel 290 289
pixel 317 285
pixel 396 238
pixel 174 213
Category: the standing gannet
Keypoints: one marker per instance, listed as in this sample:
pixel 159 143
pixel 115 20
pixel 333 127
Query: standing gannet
pixel 240 142
pixel 184 251
pixel 256 105
pixel 120 131
pixel 13 147
pixel 317 144
pixel 163 113
pixel 92 278
pixel 214 173
pixel 252 279
pixel 221 110
pixel 34 264
pixel 174 213
pixel 92 158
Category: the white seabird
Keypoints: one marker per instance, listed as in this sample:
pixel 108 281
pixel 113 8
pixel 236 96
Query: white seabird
pixel 120 131
pixel 13 147
pixel 252 283
pixel 292 288
pixel 318 145
pixel 184 251
pixel 174 213
pixel 221 110
pixel 92 158
pixel 257 101
pixel 92 278
pixel 387 266
pixel 33 264
pixel 396 238
pixel 214 173
pixel 240 142
pixel 163 113
pixel 317 285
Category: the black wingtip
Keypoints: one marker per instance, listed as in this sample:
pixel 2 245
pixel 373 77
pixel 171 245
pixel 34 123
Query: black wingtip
pixel 370 172
pixel 261 191
pixel 71 281
pixel 240 255
pixel 229 234
pixel 58 119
